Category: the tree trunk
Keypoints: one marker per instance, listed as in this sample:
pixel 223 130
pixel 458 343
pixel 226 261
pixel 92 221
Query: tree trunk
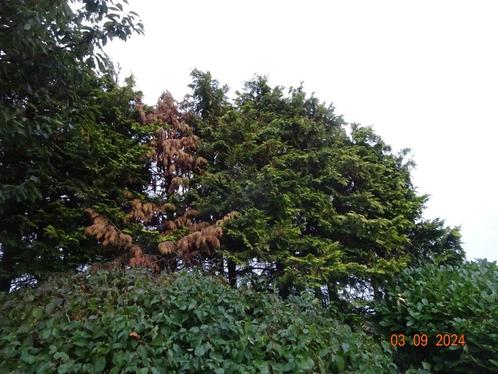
pixel 320 296
pixel 377 292
pixel 5 284
pixel 333 295
pixel 283 285
pixel 5 269
pixel 232 273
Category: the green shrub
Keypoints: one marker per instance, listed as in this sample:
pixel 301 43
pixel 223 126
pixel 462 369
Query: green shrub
pixel 185 323
pixel 450 299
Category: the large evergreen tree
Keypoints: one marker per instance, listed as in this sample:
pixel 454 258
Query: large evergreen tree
pixel 66 137
pixel 319 207
pixel 316 207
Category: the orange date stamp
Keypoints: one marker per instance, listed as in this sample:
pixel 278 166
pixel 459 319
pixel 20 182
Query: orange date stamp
pixel 424 340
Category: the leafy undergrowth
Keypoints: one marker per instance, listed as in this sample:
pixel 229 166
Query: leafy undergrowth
pixel 130 322
pixel 460 300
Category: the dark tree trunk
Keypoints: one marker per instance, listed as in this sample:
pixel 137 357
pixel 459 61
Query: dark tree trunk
pixel 5 269
pixel 232 273
pixel 5 284
pixel 377 291
pixel 320 296
pixel 332 293
pixel 283 285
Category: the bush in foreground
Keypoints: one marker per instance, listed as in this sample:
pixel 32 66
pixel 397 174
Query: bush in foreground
pixel 460 300
pixel 132 322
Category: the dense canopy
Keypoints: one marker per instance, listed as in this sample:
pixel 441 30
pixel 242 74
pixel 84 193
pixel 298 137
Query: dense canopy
pixel 253 232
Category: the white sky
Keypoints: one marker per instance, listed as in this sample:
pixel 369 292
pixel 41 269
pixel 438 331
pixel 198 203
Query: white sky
pixel 424 74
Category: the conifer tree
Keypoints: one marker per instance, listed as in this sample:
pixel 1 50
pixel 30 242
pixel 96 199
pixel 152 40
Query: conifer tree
pixel 165 232
pixel 319 208
pixel 65 130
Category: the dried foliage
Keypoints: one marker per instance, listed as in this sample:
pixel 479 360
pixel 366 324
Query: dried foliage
pixel 166 247
pixel 174 147
pixel 103 229
pixel 174 161
pixel 203 238
pixel 143 211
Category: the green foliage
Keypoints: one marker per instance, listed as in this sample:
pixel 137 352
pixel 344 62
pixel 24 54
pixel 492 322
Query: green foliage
pixel 445 299
pixel 208 100
pixel 90 164
pixel 182 323
pixel 319 207
pixel 66 139
pixel 431 241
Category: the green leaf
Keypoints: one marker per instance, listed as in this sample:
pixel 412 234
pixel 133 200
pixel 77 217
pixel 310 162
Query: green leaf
pixel 341 364
pixel 199 350
pixel 37 313
pixel 100 364
pixel 306 364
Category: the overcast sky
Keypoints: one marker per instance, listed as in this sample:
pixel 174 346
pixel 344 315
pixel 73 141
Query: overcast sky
pixel 423 74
